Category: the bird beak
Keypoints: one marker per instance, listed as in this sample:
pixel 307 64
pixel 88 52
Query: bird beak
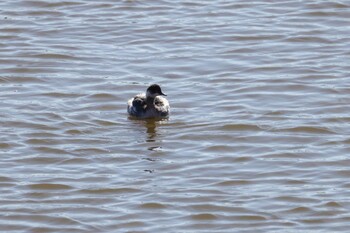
pixel 163 94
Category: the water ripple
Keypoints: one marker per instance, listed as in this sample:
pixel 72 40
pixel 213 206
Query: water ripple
pixel 258 136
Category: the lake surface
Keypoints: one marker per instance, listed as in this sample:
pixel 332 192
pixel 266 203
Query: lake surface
pixel 259 134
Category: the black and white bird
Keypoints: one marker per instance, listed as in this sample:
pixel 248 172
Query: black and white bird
pixel 149 104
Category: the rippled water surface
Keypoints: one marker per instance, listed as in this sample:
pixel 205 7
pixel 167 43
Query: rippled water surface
pixel 259 135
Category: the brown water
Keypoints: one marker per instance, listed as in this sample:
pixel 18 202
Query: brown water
pixel 259 135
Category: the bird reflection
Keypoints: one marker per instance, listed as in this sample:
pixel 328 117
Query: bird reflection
pixel 151 130
pixel 152 134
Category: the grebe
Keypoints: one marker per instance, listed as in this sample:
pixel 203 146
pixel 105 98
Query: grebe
pixel 149 105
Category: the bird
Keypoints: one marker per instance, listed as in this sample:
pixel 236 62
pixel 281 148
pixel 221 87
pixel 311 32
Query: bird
pixel 151 104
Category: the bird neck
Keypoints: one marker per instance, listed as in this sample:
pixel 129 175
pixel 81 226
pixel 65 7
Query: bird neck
pixel 149 100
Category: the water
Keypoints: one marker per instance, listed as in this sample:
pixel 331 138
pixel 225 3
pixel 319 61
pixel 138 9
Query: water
pixel 259 135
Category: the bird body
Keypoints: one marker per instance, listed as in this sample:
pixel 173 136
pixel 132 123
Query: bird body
pixel 149 104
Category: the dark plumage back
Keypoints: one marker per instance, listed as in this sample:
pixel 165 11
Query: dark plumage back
pixel 139 104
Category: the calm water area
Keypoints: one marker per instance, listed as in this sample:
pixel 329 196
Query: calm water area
pixel 258 139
